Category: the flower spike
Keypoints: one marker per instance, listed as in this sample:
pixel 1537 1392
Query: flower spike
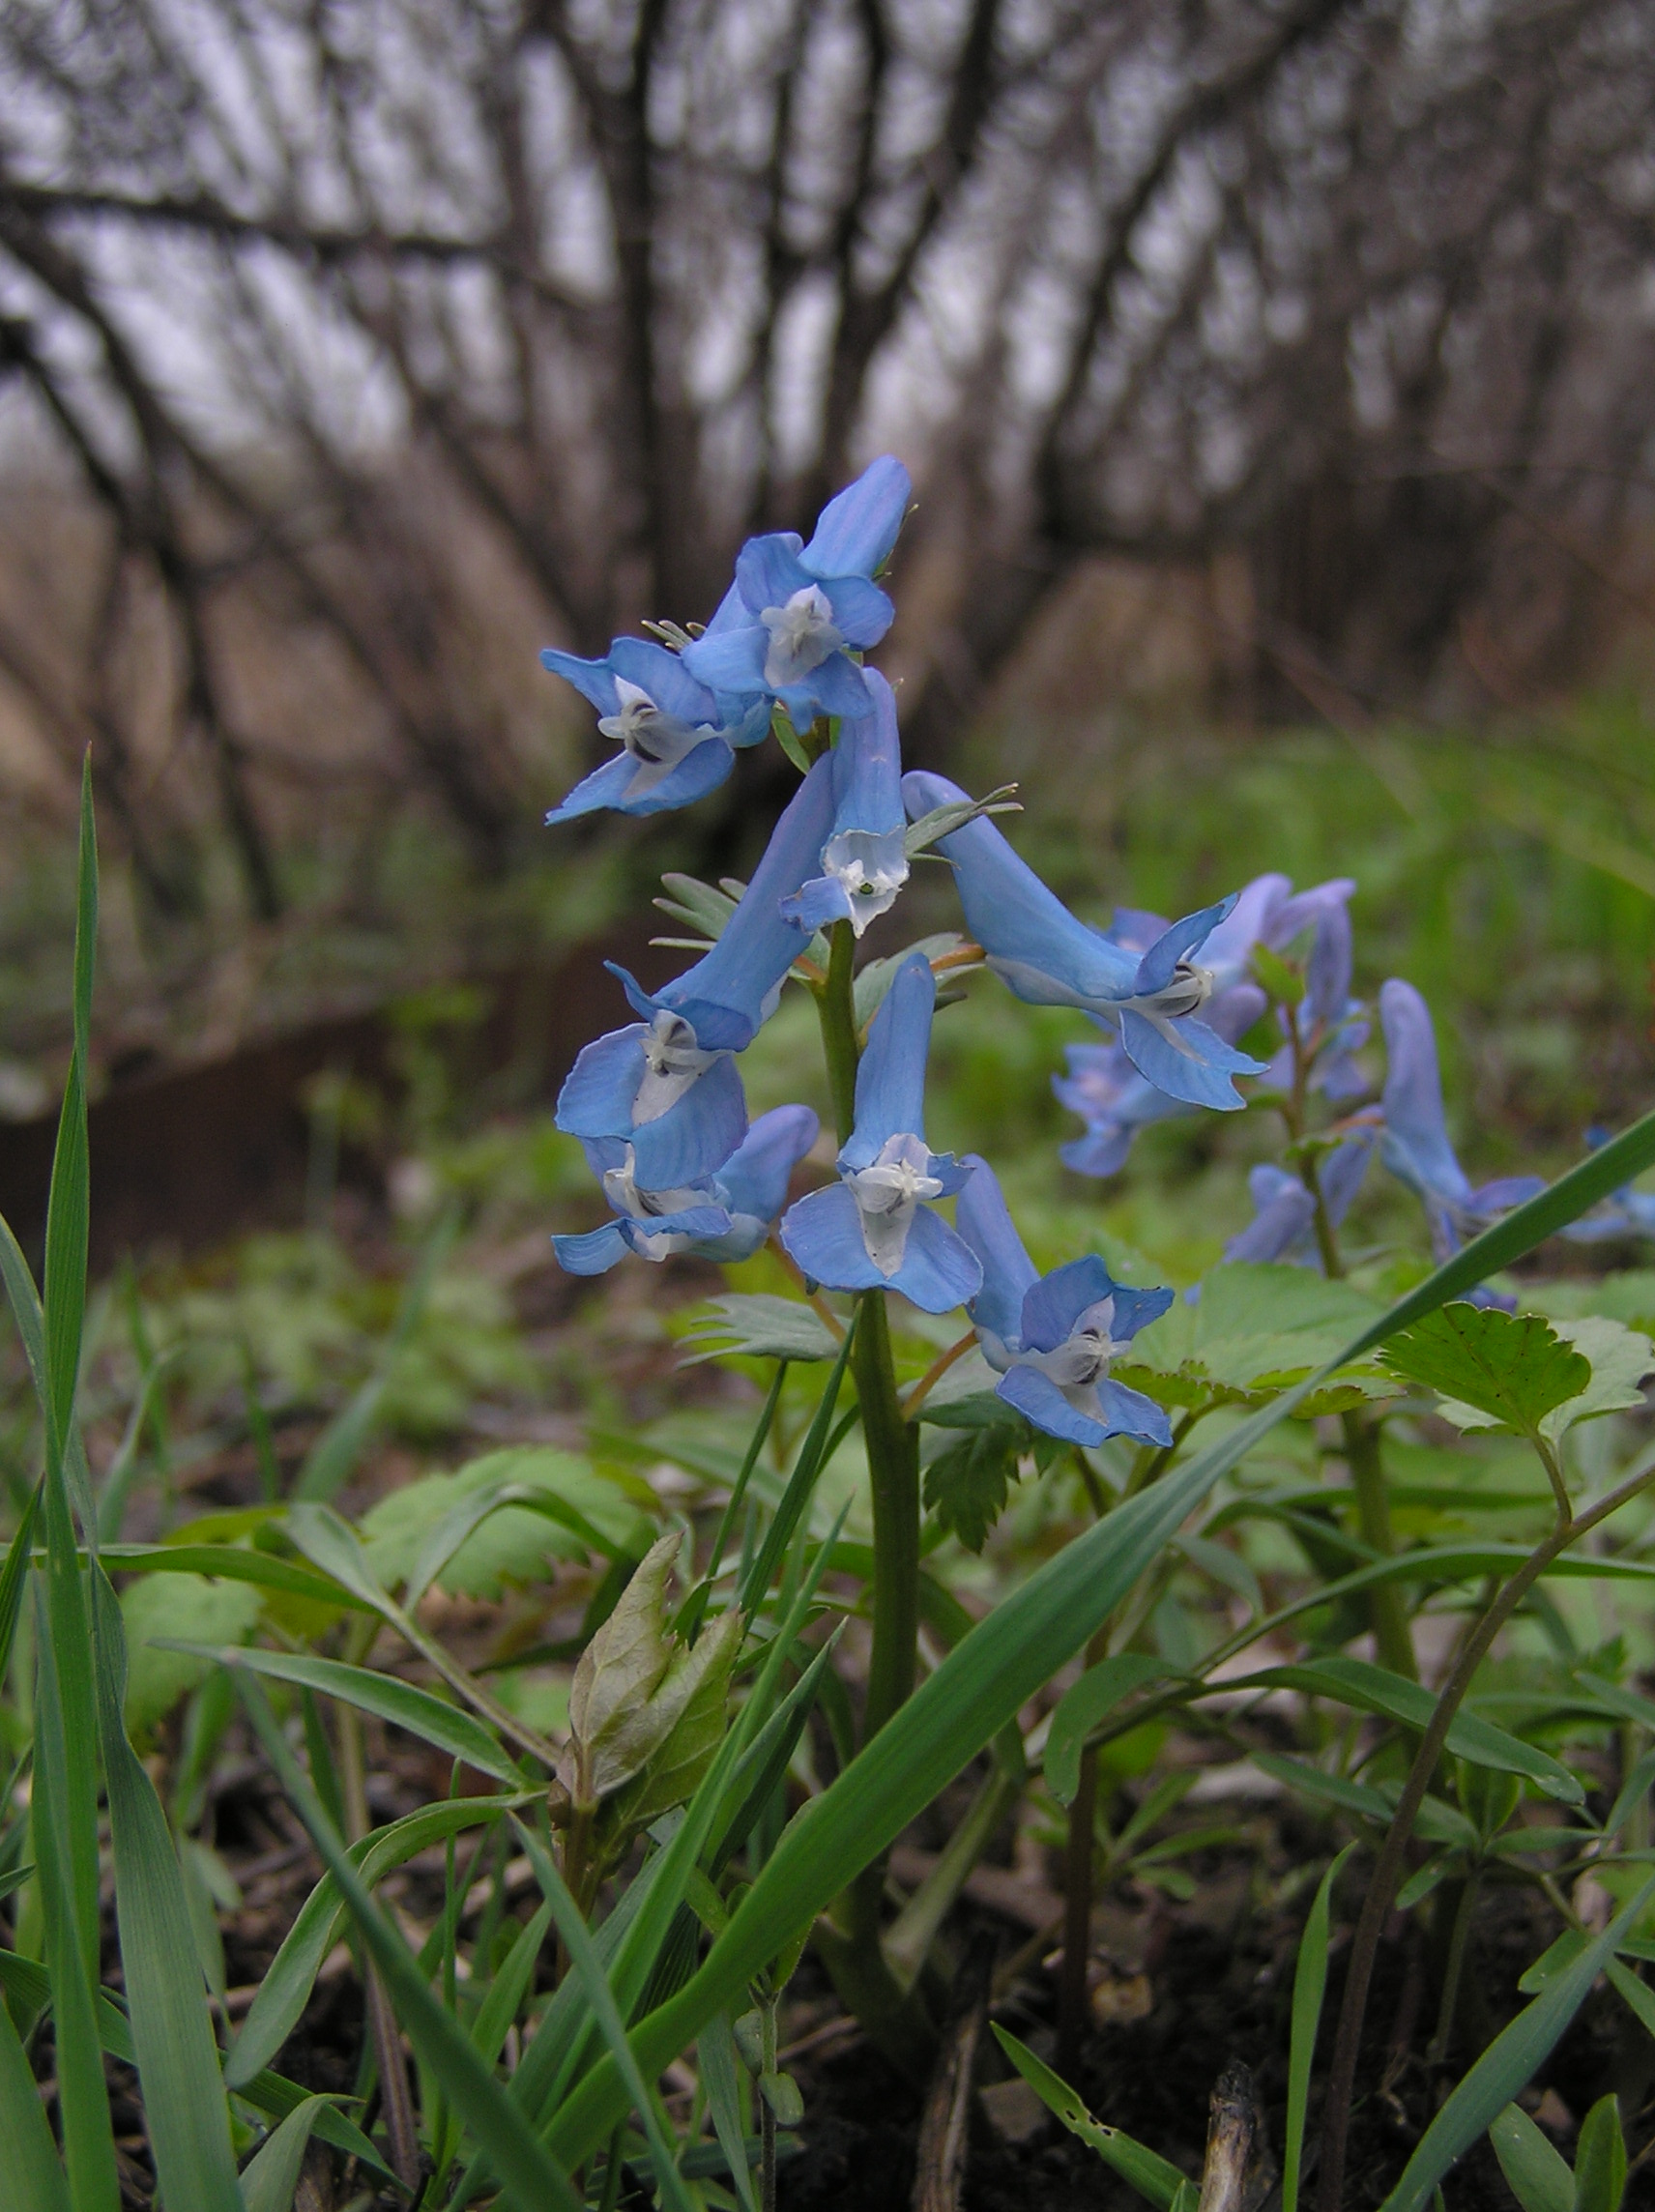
pixel 783 631
pixel 864 862
pixel 873 1230
pixel 1049 958
pixel 1050 1337
pixel 676 738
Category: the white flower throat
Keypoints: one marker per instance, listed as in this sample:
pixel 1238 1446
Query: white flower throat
pixel 672 1063
pixel 888 1192
pixel 654 738
pixel 1082 1361
pixel 872 865
pixel 803 635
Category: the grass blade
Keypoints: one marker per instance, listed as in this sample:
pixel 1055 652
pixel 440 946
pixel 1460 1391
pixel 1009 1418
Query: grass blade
pixel 402 1704
pixel 1537 2172
pixel 1508 2062
pixel 32 2167
pixel 813 1455
pixel 12 1578
pixel 271 2175
pixel 184 2109
pixel 994 1671
pixel 285 1989
pixel 1310 1987
pixel 1150 2175
pixel 721 2078
pixel 529 2178
pixel 577 1941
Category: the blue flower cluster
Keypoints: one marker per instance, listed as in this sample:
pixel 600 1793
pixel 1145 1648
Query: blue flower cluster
pixel 659 1106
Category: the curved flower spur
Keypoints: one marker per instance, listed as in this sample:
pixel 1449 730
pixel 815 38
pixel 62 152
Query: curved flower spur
pixel 667 1085
pixel 1045 956
pixel 1050 1337
pixel 727 1217
pixel 873 1229
pixel 783 629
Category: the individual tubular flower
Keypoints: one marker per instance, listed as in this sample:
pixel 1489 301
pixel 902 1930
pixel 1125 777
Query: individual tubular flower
pixel 1284 1222
pixel 873 1229
pixel 782 631
pixel 677 740
pixel 1049 958
pixel 1115 1101
pixel 726 1216
pixel 1328 1022
pixel 864 862
pixel 1050 1337
pixel 1415 1145
pixel 666 1084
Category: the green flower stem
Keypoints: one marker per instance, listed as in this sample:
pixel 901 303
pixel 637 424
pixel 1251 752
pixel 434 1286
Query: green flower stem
pixel 835 1002
pixel 1386 1609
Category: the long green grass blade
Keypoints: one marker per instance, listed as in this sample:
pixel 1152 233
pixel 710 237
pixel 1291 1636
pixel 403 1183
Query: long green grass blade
pixel 1508 2063
pixel 1147 2173
pixel 12 1578
pixel 285 1989
pixel 584 1960
pixel 721 2078
pixel 402 1704
pixel 34 2177
pixel 271 2177
pixel 1537 2172
pixel 995 1670
pixel 529 2178
pixel 1310 1987
pixel 813 1455
pixel 185 2110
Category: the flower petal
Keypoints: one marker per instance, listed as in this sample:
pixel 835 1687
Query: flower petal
pixel 856 529
pixel 1038 1399
pixel 835 688
pixel 891 1077
pixel 823 1232
pixel 861 612
pixel 939 1269
pixel 769 571
pixel 697 1135
pixel 665 678
pixel 594 680
pixel 1129 1413
pixel 984 1220
pixel 605 786
pixel 593 1254
pixel 1052 1306
pixel 754 1178
pixel 1156 968
pixel 1416 1147
pixel 731 660
pixel 1281 1228
pixel 598 1092
pixel 1187 1060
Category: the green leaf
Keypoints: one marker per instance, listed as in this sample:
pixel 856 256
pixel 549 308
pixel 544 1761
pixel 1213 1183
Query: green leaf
pixel 820 1440
pixel 1513 1369
pixel 531 2178
pixel 697 904
pixel 621 1704
pixel 385 1697
pixel 1620 1357
pixel 503 1518
pixel 159 1619
pixel 585 1962
pixel 868 992
pixel 11 1577
pixel 1310 1987
pixel 928 830
pixel 285 1989
pixel 781 726
pixel 1600 2159
pixel 1537 2172
pixel 1508 2063
pixel 1257 1328
pixel 1150 2175
pixel 1376 1690
pixel 34 2178
pixel 674 1770
pixel 716 2054
pixel 271 2177
pixel 185 2114
pixel 759 1325
pixel 511 1984
pixel 1097 1693
pixel 967 1485
pixel 991 1673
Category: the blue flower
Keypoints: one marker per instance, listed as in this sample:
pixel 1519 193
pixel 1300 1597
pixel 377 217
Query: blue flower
pixel 873 1230
pixel 864 862
pixel 1284 1222
pixel 1115 1101
pixel 1626 1212
pixel 725 1216
pixel 783 629
pixel 1329 1021
pixel 666 1084
pixel 1050 1337
pixel 1051 959
pixel 676 738
pixel 1415 1146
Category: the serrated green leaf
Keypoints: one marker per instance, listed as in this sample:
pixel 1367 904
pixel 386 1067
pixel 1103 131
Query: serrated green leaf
pixel 760 1326
pixel 1537 2172
pixel 1511 1368
pixel 967 1485
pixel 512 1544
pixel 181 1607
pixel 1620 1358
